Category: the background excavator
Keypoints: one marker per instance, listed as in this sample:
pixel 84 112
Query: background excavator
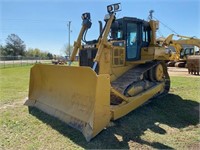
pixel 179 58
pixel 119 71
pixel 188 57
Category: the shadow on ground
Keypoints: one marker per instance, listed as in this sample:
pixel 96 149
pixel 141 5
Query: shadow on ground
pixel 171 110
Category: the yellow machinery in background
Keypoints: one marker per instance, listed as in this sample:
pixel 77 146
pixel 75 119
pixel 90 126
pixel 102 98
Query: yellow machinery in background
pixel 179 58
pixel 119 71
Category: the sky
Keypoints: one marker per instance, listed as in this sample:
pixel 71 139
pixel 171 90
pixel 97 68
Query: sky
pixel 43 23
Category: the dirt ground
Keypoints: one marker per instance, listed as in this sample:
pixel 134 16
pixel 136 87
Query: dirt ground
pixel 182 72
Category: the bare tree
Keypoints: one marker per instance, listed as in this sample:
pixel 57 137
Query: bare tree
pixel 67 50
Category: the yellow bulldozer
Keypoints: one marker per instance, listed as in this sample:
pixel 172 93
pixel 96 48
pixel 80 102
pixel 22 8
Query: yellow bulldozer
pixel 119 71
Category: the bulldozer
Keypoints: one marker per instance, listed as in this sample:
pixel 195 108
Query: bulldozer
pixel 118 72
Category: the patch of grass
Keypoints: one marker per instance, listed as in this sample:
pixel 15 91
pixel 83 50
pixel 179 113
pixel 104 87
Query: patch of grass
pixel 13 84
pixel 170 122
pixel 188 88
pixel 19 130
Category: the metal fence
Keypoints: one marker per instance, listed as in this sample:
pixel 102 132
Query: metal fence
pixel 15 61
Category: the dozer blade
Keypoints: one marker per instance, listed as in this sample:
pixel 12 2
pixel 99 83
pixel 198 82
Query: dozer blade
pixel 75 95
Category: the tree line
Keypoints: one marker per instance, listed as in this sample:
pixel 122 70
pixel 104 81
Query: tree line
pixel 15 46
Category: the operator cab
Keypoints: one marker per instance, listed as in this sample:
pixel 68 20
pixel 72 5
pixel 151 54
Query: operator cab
pixel 187 51
pixel 136 34
pixel 128 32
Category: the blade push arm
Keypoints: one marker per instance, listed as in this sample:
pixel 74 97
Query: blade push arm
pixel 103 40
pixel 77 44
pixel 86 24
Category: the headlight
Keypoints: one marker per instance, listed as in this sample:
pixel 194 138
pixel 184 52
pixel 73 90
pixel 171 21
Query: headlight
pixel 113 8
pixel 109 8
pixel 85 16
pixel 86 20
pixel 116 7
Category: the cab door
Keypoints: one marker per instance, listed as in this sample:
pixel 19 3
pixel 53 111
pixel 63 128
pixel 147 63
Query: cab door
pixel 132 41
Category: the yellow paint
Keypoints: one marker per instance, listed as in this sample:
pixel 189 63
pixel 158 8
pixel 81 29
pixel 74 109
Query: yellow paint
pixel 134 102
pixel 76 95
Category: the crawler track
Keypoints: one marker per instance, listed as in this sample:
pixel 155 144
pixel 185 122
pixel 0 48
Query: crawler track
pixel 139 73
